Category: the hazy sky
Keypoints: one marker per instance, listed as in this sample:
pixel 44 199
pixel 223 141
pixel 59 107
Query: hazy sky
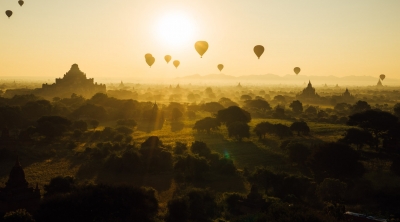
pixel 108 39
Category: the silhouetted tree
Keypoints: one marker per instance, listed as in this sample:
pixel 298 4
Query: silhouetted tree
pixel 200 148
pixel 127 122
pixel 378 123
pixel 245 97
pixel 263 128
pixel 238 130
pixel 212 107
pixel 207 124
pixel 298 153
pixel 282 131
pixel 360 106
pixel 279 99
pixel 311 110
pixel 94 123
pixel 52 126
pixel 331 190
pixel 335 160
pixel 396 109
pixel 90 110
pixel 297 106
pixel 258 104
pixel 36 109
pixel 300 127
pixel 176 114
pixel 357 137
pixel 80 125
pixel 124 130
pixel 279 112
pixel 226 102
pixel 59 185
pixel 20 215
pixel 101 203
pixel 233 114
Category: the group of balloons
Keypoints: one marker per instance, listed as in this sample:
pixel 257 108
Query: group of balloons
pixel 9 12
pixel 201 48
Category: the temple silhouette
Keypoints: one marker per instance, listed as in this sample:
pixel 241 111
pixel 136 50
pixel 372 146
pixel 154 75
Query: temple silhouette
pixel 74 81
pixel 17 194
pixel 308 93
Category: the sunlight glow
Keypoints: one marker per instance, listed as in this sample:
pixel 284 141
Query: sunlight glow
pixel 175 29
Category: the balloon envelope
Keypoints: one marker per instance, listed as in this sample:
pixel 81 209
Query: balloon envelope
pixel 176 63
pixel 21 3
pixel 258 50
pixel 201 47
pixel 167 58
pixel 296 70
pixel 150 61
pixel 9 13
pixel 382 76
pixel 220 67
pixel 148 55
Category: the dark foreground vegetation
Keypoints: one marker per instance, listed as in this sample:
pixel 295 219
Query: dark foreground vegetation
pixel 246 158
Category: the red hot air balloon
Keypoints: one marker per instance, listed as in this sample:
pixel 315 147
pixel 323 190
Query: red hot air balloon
pixel 258 50
pixel 9 13
pixel 201 47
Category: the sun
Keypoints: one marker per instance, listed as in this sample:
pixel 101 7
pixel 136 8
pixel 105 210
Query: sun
pixel 175 29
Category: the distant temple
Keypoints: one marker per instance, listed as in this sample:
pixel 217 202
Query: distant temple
pixel 74 81
pixel 379 84
pixel 17 194
pixel 308 93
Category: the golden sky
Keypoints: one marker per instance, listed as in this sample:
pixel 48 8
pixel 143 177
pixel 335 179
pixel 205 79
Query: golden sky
pixel 108 39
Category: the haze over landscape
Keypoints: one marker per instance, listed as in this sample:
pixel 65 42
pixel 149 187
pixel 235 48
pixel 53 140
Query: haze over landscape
pixel 200 111
pixel 106 38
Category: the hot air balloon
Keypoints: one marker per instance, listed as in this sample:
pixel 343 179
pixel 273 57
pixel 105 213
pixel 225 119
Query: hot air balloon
pixel 167 58
pixel 176 63
pixel 258 50
pixel 220 67
pixel 296 70
pixel 382 76
pixel 9 13
pixel 150 61
pixel 148 55
pixel 21 3
pixel 201 47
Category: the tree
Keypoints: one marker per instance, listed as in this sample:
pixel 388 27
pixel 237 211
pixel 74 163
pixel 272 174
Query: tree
pixel 335 160
pixel 360 106
pixel 297 106
pixel 52 126
pixel 20 215
pixel 300 127
pixel 396 109
pixel 331 190
pixel 298 153
pixel 176 114
pixel 94 123
pixel 311 110
pixel 233 114
pixel 245 97
pixel 357 137
pixel 207 124
pixel 279 112
pixel 212 107
pixel 282 131
pixel 263 128
pixel 127 122
pixel 226 102
pixel 80 125
pixel 35 109
pixel 59 185
pixel 101 203
pixel 200 148
pixel 258 104
pixel 279 99
pixel 378 123
pixel 124 130
pixel 238 130
pixel 90 110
